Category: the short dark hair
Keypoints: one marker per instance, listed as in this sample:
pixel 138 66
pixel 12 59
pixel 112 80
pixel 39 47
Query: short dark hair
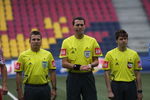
pixel 78 18
pixel 35 33
pixel 121 33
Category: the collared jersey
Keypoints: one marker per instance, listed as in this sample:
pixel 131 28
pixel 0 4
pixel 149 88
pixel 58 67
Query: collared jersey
pixel 80 51
pixel 122 64
pixel 35 65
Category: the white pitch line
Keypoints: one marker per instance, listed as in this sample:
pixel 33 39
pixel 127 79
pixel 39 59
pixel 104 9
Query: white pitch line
pixel 10 94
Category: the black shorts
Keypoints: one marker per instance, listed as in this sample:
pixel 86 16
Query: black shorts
pixel 124 90
pixel 37 92
pixel 81 85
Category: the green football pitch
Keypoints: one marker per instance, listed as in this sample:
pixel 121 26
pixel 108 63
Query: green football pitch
pixel 100 84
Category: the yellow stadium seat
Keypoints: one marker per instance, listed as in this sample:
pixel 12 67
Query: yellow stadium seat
pixel 45 43
pixel 57 30
pixel 3 26
pixel 13 48
pixel 34 29
pixel 62 20
pixel 4 37
pixel 6 54
pixel 21 43
pixel 7 2
pixel 27 44
pixel 52 40
pixel 20 37
pixel 9 15
pixel 5 45
pixel 48 23
pixel 6 51
pixel 65 30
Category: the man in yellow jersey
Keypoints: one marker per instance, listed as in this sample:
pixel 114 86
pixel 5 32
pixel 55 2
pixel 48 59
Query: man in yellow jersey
pixel 79 55
pixel 3 70
pixel 122 71
pixel 36 64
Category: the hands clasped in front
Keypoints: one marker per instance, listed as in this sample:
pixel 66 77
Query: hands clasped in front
pixel 85 68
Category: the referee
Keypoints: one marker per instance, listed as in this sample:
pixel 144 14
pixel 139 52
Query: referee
pixel 122 71
pixel 79 55
pixel 36 64
pixel 3 71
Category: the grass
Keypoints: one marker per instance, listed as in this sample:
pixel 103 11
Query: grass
pixel 100 84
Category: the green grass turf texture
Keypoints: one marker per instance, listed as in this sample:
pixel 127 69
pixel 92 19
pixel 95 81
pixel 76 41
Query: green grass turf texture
pixel 100 85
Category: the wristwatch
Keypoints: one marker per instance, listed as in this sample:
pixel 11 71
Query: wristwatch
pixel 139 91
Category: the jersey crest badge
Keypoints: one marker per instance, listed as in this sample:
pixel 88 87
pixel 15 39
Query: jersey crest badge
pixel 87 54
pixel 130 65
pixel 44 64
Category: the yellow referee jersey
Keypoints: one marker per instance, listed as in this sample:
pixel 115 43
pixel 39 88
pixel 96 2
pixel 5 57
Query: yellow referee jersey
pixel 35 65
pixel 80 51
pixel 122 64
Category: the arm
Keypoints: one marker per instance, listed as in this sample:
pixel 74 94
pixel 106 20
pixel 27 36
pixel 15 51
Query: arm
pixel 108 85
pixel 66 63
pixel 139 84
pixel 4 78
pixel 19 85
pixel 95 62
pixel 53 84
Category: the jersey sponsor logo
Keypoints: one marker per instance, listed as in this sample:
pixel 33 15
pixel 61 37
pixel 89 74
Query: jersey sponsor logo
pixel 63 52
pixel 53 63
pixel 130 65
pixel 17 66
pixel 97 51
pixel 139 64
pixel 105 64
pixel 87 54
pixel 44 64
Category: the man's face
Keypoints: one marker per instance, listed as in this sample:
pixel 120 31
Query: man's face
pixel 122 41
pixel 79 26
pixel 35 42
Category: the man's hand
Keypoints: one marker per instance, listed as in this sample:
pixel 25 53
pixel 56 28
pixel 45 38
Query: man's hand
pixel 111 95
pixel 53 94
pixel 85 68
pixel 4 89
pixel 140 96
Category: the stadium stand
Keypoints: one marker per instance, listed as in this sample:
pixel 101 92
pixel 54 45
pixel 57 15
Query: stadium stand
pixel 54 19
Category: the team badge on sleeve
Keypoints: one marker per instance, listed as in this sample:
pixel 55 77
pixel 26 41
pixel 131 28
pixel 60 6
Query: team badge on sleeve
pixel 63 52
pixel 105 64
pixel 97 51
pixel 18 66
pixel 53 63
